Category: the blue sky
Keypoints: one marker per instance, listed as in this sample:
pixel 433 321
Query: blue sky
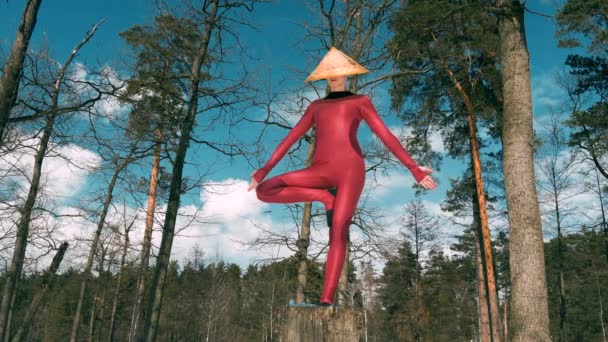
pixel 276 43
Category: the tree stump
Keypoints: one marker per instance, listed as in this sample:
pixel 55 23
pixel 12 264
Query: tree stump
pixel 316 324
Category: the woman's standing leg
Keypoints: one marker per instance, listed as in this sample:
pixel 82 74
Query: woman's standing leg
pixel 345 204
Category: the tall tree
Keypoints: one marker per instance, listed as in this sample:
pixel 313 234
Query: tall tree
pixel 9 82
pixel 455 52
pixel 156 100
pixel 529 308
pixel 206 22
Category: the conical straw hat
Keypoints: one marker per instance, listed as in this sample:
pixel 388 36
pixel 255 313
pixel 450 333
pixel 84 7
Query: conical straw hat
pixel 335 63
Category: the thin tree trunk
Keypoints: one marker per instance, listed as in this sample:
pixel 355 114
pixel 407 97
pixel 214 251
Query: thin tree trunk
pixel 47 282
pixel 505 320
pixel 139 309
pixel 11 73
pixel 158 280
pixel 100 224
pixel 482 303
pixel 9 326
pixel 560 265
pixel 92 320
pixel 529 308
pixel 601 314
pixel 604 223
pixel 304 239
pixel 123 258
pixel 23 226
pixel 484 229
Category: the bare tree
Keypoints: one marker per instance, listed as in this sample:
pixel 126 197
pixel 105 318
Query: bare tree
pixel 117 289
pixel 120 164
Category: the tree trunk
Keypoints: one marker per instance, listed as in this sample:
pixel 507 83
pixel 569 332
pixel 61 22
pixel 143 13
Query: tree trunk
pixel 304 239
pixel 505 321
pixel 158 280
pixel 123 258
pixel 138 309
pixel 9 83
pixel 560 266
pixel 23 227
pixel 47 282
pixel 7 335
pixel 306 324
pixel 92 320
pixel 482 302
pixel 484 229
pixel 604 223
pixel 529 308
pixel 100 223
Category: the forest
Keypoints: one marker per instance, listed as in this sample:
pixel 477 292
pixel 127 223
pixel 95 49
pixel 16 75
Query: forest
pixel 109 173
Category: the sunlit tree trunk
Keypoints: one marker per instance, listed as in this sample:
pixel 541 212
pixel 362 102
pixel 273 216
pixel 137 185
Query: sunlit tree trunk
pixel 139 309
pixel 529 307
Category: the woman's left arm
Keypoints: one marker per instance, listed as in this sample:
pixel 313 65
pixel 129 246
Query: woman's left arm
pixel 373 120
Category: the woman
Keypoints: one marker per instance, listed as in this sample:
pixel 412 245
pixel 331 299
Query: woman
pixel 337 174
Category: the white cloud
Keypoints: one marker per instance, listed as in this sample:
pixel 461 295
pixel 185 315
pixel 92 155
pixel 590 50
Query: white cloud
pixel 64 169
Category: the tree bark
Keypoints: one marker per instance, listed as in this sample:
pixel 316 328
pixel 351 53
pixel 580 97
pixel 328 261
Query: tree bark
pixel 138 309
pixel 9 83
pixel 47 282
pixel 158 280
pixel 529 308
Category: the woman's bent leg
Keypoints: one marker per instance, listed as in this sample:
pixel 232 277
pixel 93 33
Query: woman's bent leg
pixel 305 185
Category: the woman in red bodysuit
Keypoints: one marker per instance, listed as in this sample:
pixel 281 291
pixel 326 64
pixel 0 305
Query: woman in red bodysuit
pixel 337 163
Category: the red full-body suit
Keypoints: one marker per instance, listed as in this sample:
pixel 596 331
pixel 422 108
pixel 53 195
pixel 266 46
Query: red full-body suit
pixel 337 163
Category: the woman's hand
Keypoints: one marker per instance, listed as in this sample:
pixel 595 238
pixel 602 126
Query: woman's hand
pixel 254 183
pixel 427 182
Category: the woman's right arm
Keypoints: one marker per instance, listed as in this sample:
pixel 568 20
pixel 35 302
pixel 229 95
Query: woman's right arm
pixel 295 134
